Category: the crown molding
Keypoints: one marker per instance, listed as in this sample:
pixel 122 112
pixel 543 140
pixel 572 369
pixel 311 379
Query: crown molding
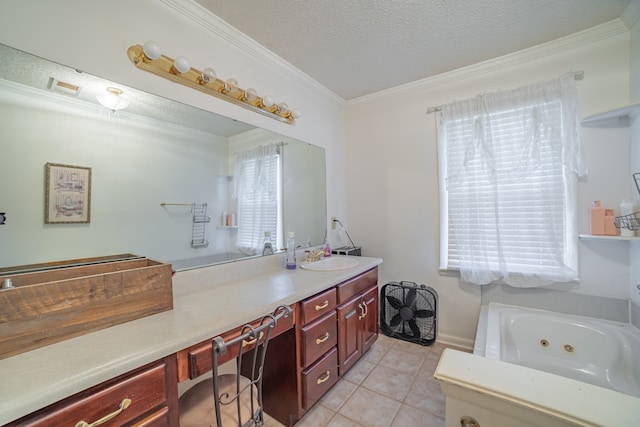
pixel 210 22
pixel 599 32
pixel 631 14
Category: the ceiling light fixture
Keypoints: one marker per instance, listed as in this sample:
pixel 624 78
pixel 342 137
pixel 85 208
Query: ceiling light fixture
pixel 149 57
pixel 112 99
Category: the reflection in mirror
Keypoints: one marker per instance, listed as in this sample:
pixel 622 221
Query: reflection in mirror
pixel 163 183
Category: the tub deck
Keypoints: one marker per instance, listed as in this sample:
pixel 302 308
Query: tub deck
pixel 595 351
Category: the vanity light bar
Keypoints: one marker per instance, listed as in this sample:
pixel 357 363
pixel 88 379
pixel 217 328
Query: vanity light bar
pixel 180 71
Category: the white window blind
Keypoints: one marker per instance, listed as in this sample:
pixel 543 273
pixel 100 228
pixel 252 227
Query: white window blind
pixel 509 195
pixel 257 176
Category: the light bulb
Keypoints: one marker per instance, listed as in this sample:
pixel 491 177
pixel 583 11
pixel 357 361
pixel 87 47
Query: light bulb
pixel 250 94
pixel 267 101
pixel 152 50
pixel 296 114
pixel 283 107
pixel 181 64
pixel 112 99
pixel 230 85
pixel 208 75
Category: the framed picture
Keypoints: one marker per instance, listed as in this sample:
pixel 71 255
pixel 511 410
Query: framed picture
pixel 67 197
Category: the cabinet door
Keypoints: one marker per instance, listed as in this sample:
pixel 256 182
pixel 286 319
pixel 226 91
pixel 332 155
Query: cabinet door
pixel 348 334
pixel 369 323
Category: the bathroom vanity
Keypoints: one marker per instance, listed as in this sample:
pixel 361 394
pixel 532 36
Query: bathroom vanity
pixel 132 371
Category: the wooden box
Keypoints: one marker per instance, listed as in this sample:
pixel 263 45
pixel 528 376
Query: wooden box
pixel 56 301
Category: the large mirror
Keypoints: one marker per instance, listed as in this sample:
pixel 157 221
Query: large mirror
pixel 159 169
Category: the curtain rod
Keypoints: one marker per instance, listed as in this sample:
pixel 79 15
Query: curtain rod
pixel 577 75
pixel 277 144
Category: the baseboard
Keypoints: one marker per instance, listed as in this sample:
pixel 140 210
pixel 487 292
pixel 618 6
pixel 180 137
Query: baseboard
pixel 450 340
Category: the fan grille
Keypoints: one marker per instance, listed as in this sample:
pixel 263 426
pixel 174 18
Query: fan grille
pixel 408 312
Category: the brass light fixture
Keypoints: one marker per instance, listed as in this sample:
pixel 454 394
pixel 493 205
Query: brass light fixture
pixel 149 58
pixel 112 100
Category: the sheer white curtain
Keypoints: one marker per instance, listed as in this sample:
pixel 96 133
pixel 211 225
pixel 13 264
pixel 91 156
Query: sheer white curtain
pixel 509 161
pixel 256 189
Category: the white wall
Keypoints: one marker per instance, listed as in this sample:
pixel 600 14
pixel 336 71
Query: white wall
pixel 94 37
pixel 393 172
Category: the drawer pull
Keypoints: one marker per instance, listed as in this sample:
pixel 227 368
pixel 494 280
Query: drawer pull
pixel 323 339
pixel 467 421
pixel 123 405
pixel 253 341
pixel 361 316
pixel 326 377
pixel 324 305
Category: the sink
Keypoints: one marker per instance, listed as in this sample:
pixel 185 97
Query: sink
pixel 330 264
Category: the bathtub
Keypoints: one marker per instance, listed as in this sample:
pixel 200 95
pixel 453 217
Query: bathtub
pixel 595 351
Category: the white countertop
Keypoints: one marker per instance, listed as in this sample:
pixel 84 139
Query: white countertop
pixel 207 302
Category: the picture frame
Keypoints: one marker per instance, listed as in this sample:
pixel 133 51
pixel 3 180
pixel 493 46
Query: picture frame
pixel 67 194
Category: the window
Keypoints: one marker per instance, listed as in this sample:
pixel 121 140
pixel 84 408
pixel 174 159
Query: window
pixel 507 173
pixel 257 180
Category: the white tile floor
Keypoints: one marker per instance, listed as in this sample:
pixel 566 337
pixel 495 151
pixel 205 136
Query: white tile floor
pixel 391 386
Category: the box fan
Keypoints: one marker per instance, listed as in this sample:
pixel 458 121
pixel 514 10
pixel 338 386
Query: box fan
pixel 408 312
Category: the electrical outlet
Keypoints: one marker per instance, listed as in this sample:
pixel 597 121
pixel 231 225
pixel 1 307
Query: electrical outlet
pixel 333 222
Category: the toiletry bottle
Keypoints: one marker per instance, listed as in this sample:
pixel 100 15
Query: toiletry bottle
pixel 267 247
pixel 290 262
pixel 327 248
pixel 597 219
pixel 609 225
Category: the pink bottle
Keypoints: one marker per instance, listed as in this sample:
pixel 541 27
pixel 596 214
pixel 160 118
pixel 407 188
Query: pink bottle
pixel 597 219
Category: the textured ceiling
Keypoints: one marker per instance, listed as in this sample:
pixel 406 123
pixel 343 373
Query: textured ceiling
pixel 358 47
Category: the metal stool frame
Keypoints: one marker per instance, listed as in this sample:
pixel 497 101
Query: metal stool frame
pixel 259 337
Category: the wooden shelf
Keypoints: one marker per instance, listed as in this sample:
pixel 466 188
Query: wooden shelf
pixel 618 117
pixel 592 237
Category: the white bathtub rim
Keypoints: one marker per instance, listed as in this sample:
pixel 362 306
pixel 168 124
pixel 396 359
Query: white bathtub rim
pixel 492 313
pixel 489 339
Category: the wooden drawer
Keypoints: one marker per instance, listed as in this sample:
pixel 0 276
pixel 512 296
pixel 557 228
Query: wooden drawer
pixel 318 305
pixel 198 358
pixel 357 285
pixel 160 418
pixel 319 378
pixel 318 338
pixel 152 391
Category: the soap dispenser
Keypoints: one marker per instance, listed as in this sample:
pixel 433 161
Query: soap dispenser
pixel 326 247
